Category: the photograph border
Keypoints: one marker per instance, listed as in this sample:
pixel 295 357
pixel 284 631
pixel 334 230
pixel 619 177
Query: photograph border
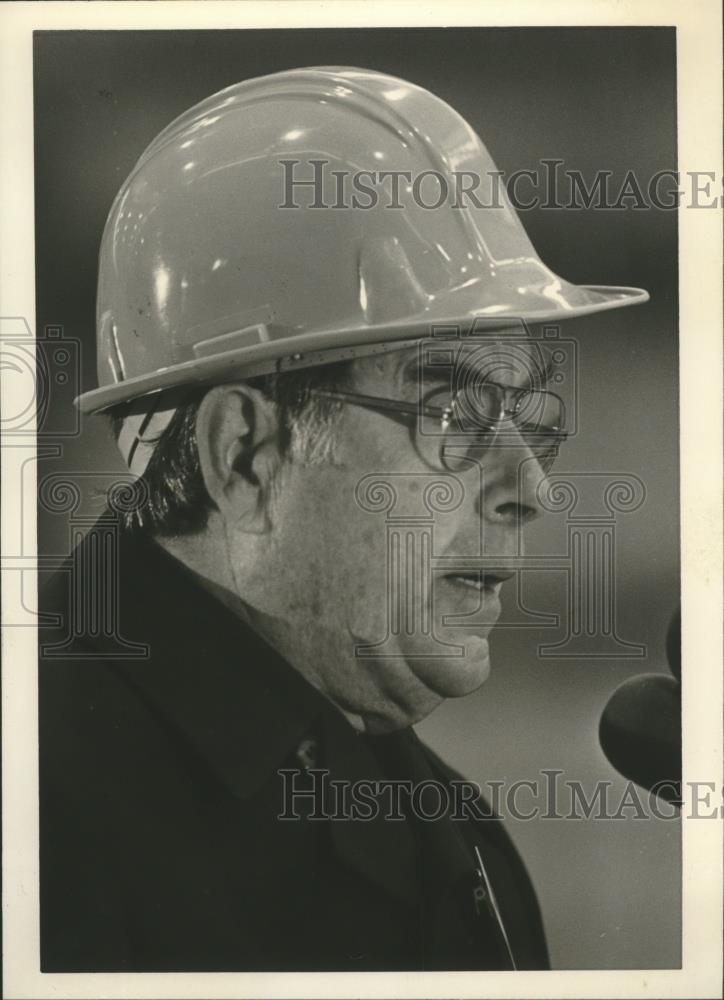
pixel 699 65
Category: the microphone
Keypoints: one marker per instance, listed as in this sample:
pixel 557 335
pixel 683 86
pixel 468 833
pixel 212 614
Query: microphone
pixel 640 728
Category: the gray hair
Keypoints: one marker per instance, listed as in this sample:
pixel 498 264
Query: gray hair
pixel 173 499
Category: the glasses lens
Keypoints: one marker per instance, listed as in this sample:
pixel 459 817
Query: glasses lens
pixel 477 406
pixel 472 424
pixel 469 424
pixel 537 408
pixel 545 448
pixel 540 417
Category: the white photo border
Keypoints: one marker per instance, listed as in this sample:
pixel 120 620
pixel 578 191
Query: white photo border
pixel 699 67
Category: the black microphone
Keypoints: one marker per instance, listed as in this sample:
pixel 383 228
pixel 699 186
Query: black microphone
pixel 640 728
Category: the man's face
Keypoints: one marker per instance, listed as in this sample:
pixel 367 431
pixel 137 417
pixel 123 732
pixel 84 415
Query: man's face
pixel 383 570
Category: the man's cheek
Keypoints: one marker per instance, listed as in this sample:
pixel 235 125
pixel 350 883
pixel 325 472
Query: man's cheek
pixel 368 584
pixel 393 599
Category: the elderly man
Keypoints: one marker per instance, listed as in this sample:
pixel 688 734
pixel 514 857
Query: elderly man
pixel 282 355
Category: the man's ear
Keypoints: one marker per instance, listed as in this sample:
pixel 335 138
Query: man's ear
pixel 237 434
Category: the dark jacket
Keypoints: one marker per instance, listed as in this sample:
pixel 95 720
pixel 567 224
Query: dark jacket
pixel 164 724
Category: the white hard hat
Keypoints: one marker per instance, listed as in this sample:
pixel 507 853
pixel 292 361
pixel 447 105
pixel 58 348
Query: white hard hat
pixel 205 277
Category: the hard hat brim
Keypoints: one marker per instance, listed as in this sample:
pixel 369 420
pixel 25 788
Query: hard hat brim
pixel 327 346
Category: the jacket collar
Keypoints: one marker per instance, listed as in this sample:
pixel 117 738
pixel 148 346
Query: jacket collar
pixel 231 695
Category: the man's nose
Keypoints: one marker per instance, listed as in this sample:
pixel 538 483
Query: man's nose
pixel 513 480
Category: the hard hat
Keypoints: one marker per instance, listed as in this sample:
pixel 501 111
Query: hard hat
pixel 208 271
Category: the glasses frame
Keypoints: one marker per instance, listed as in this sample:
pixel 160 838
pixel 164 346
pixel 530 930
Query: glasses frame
pixel 409 414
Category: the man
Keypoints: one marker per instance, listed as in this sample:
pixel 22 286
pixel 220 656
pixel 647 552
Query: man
pixel 288 348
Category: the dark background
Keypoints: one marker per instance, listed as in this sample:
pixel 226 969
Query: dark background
pixel 596 98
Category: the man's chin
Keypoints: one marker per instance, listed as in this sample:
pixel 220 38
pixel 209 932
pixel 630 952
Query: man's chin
pixel 455 676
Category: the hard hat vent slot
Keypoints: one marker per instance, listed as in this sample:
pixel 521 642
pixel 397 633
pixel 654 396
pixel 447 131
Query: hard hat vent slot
pixel 248 337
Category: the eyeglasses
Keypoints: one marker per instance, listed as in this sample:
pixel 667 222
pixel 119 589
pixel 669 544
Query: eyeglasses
pixel 448 429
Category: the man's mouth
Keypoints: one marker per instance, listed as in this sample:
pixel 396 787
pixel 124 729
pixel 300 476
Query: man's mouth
pixel 484 581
